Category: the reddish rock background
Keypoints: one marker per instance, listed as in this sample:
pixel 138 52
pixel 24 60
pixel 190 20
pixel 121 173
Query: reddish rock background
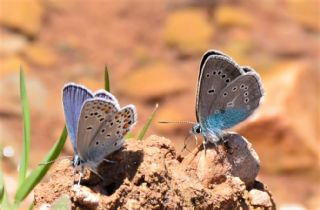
pixel 153 53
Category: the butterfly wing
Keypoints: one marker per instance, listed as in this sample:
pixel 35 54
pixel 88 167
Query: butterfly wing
pixel 110 136
pixel 73 99
pixel 217 71
pixel 106 95
pixel 93 114
pixel 236 102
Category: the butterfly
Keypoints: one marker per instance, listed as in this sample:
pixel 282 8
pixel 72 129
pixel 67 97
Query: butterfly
pixel 96 124
pixel 227 94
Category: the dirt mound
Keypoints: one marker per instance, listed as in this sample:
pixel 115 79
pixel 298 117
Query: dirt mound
pixel 148 175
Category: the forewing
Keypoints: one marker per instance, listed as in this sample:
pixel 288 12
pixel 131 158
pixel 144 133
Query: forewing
pixel 110 136
pixel 94 113
pixel 217 72
pixel 73 99
pixel 106 95
pixel 207 55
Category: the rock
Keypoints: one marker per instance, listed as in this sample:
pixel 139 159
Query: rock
pixel 287 123
pixel 152 81
pixel 239 46
pixel 305 12
pixel 189 31
pixel 41 56
pixel 26 16
pixel 214 164
pixel 85 196
pixel 58 5
pixel 259 198
pixel 12 44
pixel 230 16
pixel 284 39
pixel 141 55
pixel 146 175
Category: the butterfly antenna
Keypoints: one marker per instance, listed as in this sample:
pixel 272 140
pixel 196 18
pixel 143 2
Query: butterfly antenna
pixel 178 122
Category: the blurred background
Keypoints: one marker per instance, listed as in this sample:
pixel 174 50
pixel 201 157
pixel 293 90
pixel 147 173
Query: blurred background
pixel 153 52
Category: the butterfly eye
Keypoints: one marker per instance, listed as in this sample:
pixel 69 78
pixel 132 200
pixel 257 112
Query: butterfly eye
pixel 246 93
pixel 246 100
pixel 242 86
pixel 225 94
pixel 198 130
pixel 246 87
pixel 214 73
pixel 234 89
pixel 223 76
pixel 227 80
pixel 208 75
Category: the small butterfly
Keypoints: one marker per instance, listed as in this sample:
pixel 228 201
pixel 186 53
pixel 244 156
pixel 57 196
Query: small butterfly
pixel 95 123
pixel 227 94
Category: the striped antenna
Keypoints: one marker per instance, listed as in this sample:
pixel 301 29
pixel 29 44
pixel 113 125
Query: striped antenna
pixel 178 122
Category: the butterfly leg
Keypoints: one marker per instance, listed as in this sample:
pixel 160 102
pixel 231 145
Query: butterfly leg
pixel 109 161
pixel 80 177
pixel 204 147
pixel 96 173
pixel 196 138
pixel 185 144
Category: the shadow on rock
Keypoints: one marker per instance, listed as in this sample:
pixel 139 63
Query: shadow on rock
pixel 125 166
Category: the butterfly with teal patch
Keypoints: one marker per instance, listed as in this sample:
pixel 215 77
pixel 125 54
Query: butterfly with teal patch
pixel 227 94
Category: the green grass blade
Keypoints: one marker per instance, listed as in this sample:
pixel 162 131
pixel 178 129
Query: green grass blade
pixel 129 135
pixel 31 206
pixel 4 202
pixel 106 79
pixel 26 129
pixel 2 188
pixel 147 125
pixel 37 174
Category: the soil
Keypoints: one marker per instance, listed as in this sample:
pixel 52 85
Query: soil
pixel 149 174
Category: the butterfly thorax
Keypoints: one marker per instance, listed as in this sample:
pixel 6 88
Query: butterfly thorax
pixel 210 135
pixel 76 161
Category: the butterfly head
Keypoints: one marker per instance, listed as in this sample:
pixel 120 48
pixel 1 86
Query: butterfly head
pixel 196 129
